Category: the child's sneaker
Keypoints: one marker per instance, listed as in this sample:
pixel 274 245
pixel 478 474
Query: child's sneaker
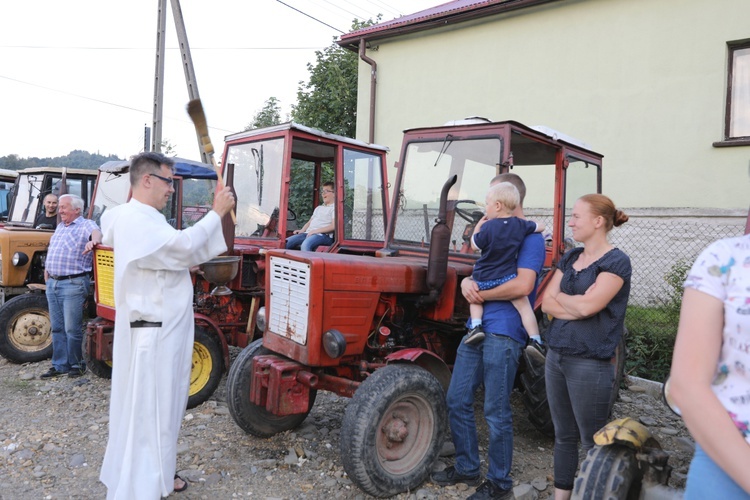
pixel 476 335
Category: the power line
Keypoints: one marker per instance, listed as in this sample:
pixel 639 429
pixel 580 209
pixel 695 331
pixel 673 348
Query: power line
pixel 108 103
pixel 150 48
pixel 311 17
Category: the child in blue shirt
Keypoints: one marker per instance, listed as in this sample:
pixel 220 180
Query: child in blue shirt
pixel 499 236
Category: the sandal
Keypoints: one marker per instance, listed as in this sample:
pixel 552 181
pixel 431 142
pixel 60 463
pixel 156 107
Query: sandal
pixel 184 485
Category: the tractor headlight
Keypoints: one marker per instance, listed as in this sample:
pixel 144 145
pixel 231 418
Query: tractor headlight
pixel 19 259
pixel 260 319
pixel 334 343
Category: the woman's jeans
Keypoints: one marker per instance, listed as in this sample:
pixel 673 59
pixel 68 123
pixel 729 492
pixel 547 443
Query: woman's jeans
pixel 492 363
pixel 707 480
pixel 578 392
pixel 65 299
pixel 308 243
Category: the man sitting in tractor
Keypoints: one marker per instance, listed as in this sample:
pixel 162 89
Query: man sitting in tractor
pixel 319 229
pixel 47 219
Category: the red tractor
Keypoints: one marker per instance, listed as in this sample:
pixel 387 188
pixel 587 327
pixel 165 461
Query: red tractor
pixel 277 174
pixel 383 329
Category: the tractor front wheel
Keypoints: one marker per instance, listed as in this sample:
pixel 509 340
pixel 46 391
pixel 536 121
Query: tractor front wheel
pixel 393 430
pixel 252 418
pixel 25 329
pixel 207 367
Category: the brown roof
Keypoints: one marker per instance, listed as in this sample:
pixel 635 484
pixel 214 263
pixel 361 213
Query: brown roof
pixel 448 13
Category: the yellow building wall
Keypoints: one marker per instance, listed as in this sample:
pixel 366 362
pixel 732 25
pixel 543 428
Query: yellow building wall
pixel 642 82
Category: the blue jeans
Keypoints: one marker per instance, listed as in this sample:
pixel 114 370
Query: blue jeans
pixel 707 480
pixel 307 243
pixel 65 299
pixel 578 392
pixel 492 363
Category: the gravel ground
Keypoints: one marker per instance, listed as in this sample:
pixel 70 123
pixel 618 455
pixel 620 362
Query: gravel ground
pixel 53 434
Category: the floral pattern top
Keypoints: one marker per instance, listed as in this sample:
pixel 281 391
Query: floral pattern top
pixel 723 271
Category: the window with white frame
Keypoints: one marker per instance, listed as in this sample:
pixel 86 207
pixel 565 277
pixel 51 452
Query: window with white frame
pixel 738 92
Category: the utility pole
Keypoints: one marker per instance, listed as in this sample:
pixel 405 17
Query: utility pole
pixel 161 28
pixel 187 66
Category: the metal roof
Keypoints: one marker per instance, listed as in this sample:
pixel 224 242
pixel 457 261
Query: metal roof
pixel 441 15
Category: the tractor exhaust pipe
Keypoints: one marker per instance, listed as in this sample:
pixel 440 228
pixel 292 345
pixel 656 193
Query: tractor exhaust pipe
pixel 440 238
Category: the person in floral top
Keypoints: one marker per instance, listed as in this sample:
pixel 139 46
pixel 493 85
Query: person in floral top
pixel 709 381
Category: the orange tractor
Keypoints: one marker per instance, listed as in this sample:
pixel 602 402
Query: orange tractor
pixel 277 173
pixel 383 328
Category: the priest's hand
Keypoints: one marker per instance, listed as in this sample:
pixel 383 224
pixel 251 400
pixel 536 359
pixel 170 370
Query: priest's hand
pixel 223 201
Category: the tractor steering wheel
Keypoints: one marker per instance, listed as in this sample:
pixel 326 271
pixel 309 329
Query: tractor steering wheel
pixel 470 216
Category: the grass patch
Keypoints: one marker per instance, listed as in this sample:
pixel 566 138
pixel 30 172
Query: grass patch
pixel 652 332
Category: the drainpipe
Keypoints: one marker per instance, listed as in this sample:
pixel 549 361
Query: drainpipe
pixel 373 82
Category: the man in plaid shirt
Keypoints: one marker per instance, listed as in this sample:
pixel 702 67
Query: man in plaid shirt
pixel 67 274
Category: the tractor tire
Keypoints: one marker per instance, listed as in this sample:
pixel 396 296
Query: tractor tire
pixel 102 369
pixel 25 329
pixel 534 387
pixel 609 472
pixel 393 430
pixel 621 353
pixel 252 418
pixel 207 368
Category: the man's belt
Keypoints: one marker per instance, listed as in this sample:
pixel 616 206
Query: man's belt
pixel 70 276
pixel 145 324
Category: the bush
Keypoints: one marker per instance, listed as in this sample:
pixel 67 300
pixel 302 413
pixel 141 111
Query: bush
pixel 652 330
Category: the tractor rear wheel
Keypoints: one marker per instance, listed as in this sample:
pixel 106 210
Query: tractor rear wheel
pixel 25 329
pixel 207 367
pixel 252 418
pixel 393 430
pixel 534 387
pixel 609 473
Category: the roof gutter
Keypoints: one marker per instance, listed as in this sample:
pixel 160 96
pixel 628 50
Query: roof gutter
pixel 373 84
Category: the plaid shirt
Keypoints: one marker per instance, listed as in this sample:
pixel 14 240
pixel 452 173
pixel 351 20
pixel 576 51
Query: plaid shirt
pixel 65 253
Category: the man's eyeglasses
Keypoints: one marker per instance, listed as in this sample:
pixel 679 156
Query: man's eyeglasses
pixel 168 180
pixel 327 191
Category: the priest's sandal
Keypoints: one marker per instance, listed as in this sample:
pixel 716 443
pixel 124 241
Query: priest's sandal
pixel 184 484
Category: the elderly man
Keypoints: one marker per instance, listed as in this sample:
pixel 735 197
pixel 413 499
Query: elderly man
pixel 67 274
pixel 153 342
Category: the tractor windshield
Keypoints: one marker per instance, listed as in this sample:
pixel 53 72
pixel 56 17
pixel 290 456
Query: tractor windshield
pixel 257 177
pixel 426 167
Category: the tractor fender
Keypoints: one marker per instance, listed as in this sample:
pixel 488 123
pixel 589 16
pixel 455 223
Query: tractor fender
pixel 425 359
pixel 213 327
pixel 627 432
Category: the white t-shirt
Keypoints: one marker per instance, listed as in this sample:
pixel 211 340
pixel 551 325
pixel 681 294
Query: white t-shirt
pixel 723 271
pixel 321 217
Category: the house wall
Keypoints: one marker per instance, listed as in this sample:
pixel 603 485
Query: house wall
pixel 642 82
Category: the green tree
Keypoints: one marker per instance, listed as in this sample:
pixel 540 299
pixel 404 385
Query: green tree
pixel 328 101
pixel 269 115
pixel 74 159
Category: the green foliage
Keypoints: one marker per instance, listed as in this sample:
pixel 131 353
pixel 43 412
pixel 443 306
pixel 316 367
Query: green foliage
pixel 269 115
pixel 651 335
pixel 74 159
pixel 675 278
pixel 328 101
pixel 653 329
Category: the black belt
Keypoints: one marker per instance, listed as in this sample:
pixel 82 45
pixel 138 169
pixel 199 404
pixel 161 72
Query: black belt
pixel 145 324
pixel 70 276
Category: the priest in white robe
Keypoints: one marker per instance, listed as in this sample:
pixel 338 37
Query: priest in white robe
pixel 153 341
